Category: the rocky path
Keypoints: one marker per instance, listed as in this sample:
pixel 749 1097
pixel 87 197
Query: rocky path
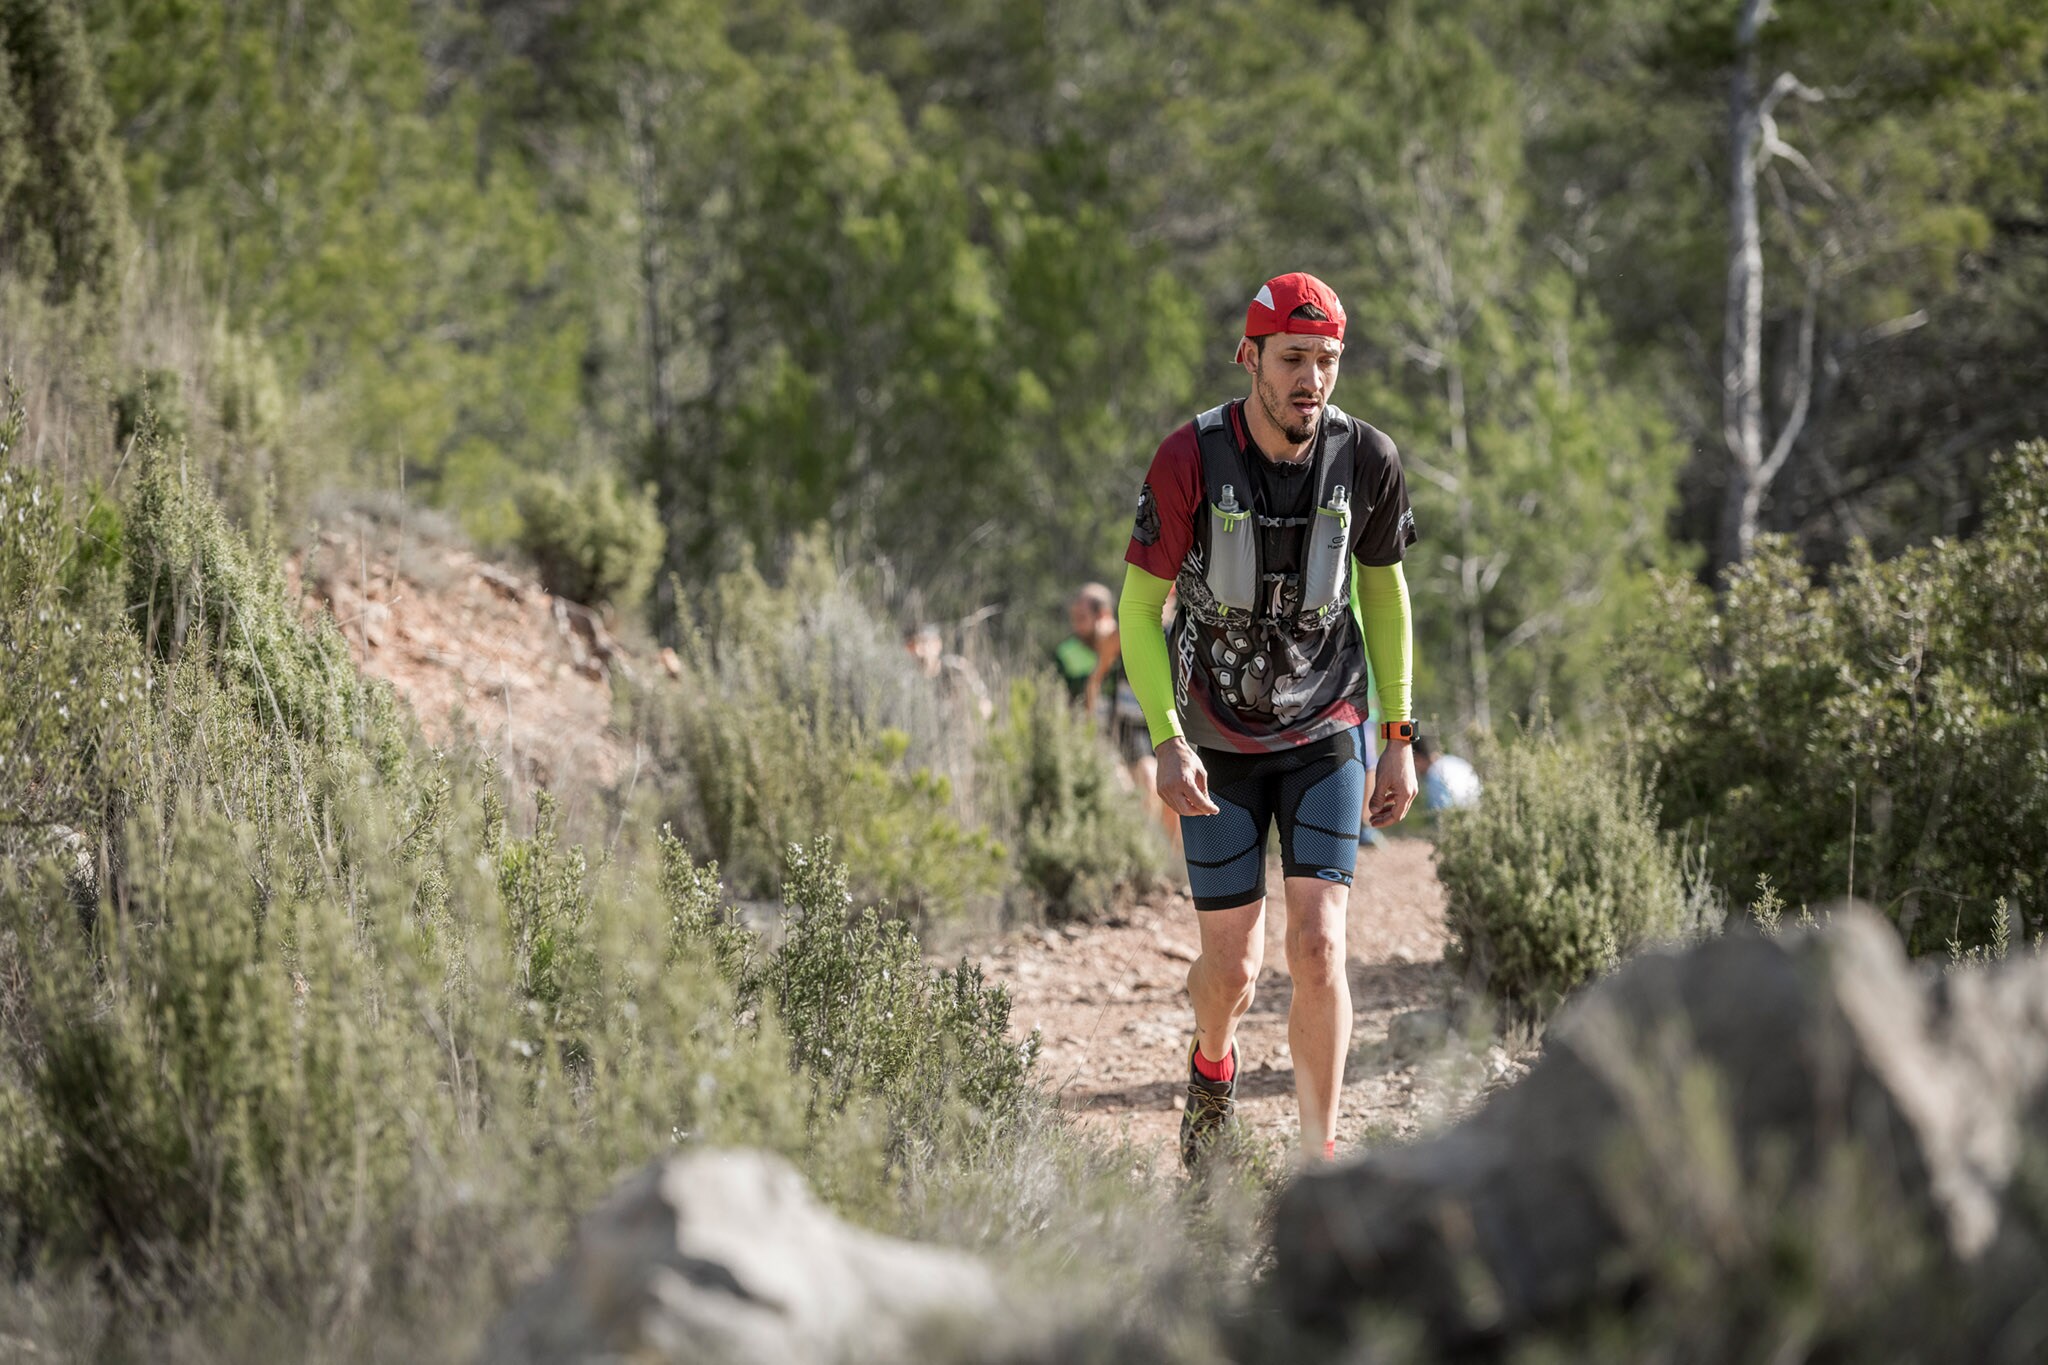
pixel 1110 1003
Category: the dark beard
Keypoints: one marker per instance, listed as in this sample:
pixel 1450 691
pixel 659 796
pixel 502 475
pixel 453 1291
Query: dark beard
pixel 1281 417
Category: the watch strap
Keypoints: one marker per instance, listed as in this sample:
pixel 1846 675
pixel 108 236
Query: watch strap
pixel 1398 729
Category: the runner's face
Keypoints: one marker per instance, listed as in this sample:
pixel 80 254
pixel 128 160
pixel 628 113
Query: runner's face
pixel 1292 378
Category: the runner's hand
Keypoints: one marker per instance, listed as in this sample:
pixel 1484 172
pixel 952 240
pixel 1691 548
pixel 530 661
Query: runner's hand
pixel 1183 781
pixel 1393 788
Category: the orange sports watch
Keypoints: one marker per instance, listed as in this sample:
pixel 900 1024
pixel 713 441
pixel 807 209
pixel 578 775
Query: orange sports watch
pixel 1397 729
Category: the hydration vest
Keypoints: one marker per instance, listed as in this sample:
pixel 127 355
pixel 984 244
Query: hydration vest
pixel 1249 627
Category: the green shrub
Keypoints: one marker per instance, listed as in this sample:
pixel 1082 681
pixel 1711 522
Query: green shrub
pixel 200 1108
pixel 1079 832
pixel 196 584
pixel 862 1012
pixel 1556 874
pixel 593 540
pixel 1884 735
pixel 339 1036
pixel 798 715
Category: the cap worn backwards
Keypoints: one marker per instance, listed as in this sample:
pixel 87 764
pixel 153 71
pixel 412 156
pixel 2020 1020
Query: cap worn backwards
pixel 1272 308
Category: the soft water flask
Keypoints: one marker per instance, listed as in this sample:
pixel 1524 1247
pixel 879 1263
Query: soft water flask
pixel 1233 553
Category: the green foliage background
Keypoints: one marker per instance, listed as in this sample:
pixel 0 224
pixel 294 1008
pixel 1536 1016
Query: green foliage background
pixel 1882 736
pixel 305 1034
pixel 942 275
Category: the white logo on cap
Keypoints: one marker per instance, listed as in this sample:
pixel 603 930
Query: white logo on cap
pixel 1264 296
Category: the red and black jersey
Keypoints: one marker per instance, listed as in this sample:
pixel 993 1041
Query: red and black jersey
pixel 1263 684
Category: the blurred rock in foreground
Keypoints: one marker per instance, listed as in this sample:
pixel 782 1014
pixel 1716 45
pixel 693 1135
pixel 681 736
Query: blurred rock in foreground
pixel 726 1257
pixel 1693 1118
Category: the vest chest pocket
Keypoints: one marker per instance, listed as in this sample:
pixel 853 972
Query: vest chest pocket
pixel 1233 574
pixel 1322 569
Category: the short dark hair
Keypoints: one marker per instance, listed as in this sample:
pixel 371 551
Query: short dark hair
pixel 1423 747
pixel 1308 312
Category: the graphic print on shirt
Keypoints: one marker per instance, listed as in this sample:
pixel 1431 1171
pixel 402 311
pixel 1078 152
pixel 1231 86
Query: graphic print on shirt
pixel 1146 531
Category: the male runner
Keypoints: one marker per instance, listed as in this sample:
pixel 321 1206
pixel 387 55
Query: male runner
pixel 1282 521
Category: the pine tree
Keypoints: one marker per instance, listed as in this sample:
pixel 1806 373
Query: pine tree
pixel 62 210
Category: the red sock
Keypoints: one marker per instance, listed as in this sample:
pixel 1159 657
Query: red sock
pixel 1216 1071
pixel 1330 1150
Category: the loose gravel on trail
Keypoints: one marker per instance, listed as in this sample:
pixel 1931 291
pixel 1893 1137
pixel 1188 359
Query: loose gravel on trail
pixel 1110 1003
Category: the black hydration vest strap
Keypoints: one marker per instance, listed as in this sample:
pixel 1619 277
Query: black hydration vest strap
pixel 1224 465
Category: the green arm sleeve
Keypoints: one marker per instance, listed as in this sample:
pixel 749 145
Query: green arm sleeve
pixel 1379 599
pixel 1138 616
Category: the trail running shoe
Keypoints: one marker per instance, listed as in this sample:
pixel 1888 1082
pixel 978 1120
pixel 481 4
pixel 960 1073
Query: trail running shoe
pixel 1208 1112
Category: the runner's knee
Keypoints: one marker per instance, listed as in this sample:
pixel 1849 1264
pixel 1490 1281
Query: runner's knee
pixel 1315 955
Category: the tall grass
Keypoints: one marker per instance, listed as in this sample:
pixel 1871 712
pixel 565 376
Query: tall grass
pixel 87 373
pixel 298 1022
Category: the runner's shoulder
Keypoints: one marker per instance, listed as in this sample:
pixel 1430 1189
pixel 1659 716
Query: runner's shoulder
pixel 1373 444
pixel 1175 475
pixel 1181 449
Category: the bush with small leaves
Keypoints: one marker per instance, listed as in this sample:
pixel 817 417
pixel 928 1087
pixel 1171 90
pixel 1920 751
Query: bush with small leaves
pixel 1079 832
pixel 798 715
pixel 1883 735
pixel 865 1015
pixel 1556 874
pixel 593 540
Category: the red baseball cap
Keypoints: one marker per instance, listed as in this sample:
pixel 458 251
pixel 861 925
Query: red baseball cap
pixel 1281 295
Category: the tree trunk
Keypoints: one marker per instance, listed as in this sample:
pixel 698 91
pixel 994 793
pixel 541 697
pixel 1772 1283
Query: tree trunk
pixel 641 154
pixel 1470 565
pixel 1742 325
pixel 1755 459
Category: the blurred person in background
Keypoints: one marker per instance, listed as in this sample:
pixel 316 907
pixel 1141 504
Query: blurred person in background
pixel 1109 695
pixel 1090 662
pixel 1448 782
pixel 1092 616
pixel 954 677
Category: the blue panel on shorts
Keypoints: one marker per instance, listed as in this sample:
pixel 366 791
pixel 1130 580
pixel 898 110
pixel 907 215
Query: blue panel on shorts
pixel 1313 848
pixel 1219 837
pixel 1337 801
pixel 1238 880
pixel 1234 843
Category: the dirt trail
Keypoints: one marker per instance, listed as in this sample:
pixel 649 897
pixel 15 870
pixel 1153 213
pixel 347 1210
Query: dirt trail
pixel 1110 1003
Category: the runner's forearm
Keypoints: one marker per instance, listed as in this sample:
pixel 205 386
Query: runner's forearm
pixel 1379 596
pixel 1139 615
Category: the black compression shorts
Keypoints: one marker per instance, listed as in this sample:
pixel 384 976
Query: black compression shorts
pixel 1316 793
